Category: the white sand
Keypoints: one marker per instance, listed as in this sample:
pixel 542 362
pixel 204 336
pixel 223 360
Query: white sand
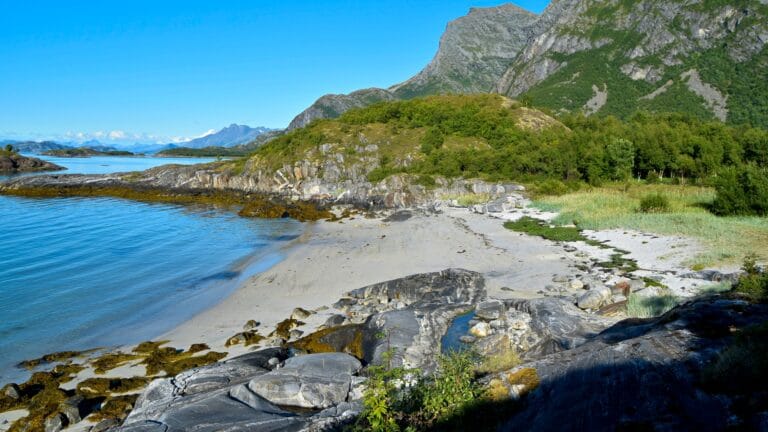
pixel 334 258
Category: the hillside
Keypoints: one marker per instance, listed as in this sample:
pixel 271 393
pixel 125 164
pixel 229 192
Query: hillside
pixel 605 57
pixel 703 58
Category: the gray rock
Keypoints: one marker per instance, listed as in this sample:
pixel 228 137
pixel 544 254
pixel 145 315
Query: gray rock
pixel 251 325
pixel 335 320
pixel 594 298
pixel 55 423
pixel 71 409
pixel 104 425
pixel 11 391
pixel 660 361
pixel 314 381
pixel 300 314
pixel 490 310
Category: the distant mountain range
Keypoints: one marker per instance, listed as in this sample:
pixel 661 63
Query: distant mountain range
pixel 231 136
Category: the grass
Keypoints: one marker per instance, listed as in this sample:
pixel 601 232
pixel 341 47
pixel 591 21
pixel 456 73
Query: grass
pixel 649 307
pixel 727 240
pixel 534 227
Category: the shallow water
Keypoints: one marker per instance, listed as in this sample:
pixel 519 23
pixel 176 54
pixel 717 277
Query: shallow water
pixel 79 273
pixel 459 327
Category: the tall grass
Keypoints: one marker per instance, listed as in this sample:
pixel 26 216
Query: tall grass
pixel 727 240
pixel 649 307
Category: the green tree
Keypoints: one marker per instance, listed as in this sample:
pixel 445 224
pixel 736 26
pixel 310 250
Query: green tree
pixel 620 159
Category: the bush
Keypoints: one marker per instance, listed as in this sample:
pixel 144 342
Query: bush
pixel 742 191
pixel 654 203
pixel 552 187
pixel 754 283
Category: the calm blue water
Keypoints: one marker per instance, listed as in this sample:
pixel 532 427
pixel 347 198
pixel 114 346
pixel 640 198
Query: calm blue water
pixel 78 273
pixel 110 164
pixel 459 327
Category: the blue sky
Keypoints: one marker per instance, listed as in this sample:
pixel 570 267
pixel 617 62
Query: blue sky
pixel 158 70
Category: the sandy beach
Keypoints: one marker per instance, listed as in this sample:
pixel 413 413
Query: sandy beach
pixel 333 258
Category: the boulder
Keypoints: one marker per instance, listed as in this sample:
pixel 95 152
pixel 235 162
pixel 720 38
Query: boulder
pixel 300 314
pixel 251 325
pixel 55 423
pixel 576 284
pixel 489 310
pixel 11 391
pixel 594 298
pixel 314 381
pixel 480 330
pixel 335 320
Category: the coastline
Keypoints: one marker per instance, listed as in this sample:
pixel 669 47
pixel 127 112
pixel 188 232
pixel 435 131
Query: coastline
pixel 330 259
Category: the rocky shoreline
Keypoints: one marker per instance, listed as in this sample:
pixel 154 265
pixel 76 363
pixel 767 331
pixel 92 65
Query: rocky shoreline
pixel 13 163
pixel 303 368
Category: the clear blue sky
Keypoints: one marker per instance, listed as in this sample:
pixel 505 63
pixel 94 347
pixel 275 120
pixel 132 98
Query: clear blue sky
pixel 167 69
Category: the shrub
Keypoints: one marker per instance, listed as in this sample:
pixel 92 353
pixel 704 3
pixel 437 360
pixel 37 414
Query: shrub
pixel 654 203
pixel 552 187
pixel 742 367
pixel 754 283
pixel 742 191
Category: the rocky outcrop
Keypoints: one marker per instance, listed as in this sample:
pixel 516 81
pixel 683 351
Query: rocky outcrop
pixel 305 181
pixel 15 163
pixel 638 374
pixel 247 393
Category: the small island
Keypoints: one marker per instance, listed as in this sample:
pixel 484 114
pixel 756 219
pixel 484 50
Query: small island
pixel 12 162
pixel 84 152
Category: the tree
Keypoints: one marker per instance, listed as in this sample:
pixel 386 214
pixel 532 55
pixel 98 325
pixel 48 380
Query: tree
pixel 9 148
pixel 620 158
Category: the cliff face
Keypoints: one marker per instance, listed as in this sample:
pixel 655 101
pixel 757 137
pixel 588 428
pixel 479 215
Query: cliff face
pixel 614 57
pixel 699 57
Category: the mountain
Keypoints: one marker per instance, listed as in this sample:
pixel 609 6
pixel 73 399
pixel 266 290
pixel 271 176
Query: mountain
pixel 35 147
pixel 230 136
pixel 704 58
pixel 474 53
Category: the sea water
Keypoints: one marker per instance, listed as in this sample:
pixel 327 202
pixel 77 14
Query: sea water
pixel 79 273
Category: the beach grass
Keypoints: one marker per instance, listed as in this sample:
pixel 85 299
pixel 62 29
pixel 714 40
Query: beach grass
pixel 727 240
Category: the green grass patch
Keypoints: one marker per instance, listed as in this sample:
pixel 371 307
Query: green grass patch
pixel 726 240
pixel 537 228
pixel 650 307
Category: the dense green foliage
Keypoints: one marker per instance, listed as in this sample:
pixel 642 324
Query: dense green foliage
pixel 390 405
pixel 489 137
pixel 742 191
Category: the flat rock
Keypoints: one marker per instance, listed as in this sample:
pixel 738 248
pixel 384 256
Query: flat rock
pixel 489 310
pixel 314 381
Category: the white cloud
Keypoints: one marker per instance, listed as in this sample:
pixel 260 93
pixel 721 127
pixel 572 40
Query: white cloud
pixel 117 135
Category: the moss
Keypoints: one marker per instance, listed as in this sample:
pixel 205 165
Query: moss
pixel 110 361
pixel 497 390
pixel 196 348
pixel 51 358
pixel 115 407
pixel 246 338
pixel 254 205
pixel 66 372
pixel 284 328
pixel 348 339
pixel 527 377
pixel 149 346
pixel 185 363
pixel 93 387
